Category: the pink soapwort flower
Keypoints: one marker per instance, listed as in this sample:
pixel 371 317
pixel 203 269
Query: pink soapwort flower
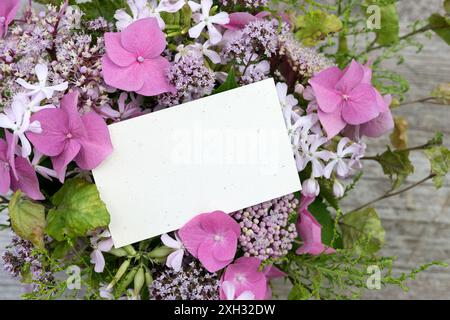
pixel 133 60
pixel 17 173
pixel 67 136
pixel 310 188
pixel 175 259
pixel 345 97
pixel 229 290
pixel 200 50
pixel 245 276
pixel 310 231
pixel 40 90
pixel 101 241
pixel 212 238
pixel 8 10
pixel 238 20
pixel 204 20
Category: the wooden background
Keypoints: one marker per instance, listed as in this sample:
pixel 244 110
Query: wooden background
pixel 417 223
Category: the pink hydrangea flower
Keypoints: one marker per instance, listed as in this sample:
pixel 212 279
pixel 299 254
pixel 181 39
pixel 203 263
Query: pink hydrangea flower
pixel 212 238
pixel 17 173
pixel 8 10
pixel 229 290
pixel 133 60
pixel 345 97
pixel 67 136
pixel 310 231
pixel 244 275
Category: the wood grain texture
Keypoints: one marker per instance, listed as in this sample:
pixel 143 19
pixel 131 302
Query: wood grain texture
pixel 417 223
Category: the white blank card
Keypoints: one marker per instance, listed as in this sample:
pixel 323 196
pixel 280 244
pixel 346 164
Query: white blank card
pixel 225 152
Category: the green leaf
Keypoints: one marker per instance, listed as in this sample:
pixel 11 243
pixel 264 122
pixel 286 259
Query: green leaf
pixel 441 26
pixel 447 6
pixel 440 163
pixel 299 292
pixel 319 210
pixel 78 209
pixel 388 33
pixel 438 140
pixel 230 83
pixel 396 165
pixel 27 219
pixel 362 231
pixel 100 8
pixel 315 26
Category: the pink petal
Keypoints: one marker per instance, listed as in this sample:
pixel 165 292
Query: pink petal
pixel 129 78
pixel 238 20
pixel 327 78
pixel 246 295
pixel 155 77
pixel 97 145
pixel 8 10
pixel 331 122
pixel 225 250
pixel 192 234
pixel 54 124
pixel 60 162
pixel 228 289
pixel 217 222
pixel 118 54
pixel 27 180
pixel 352 77
pixel 379 126
pixel 273 272
pixel 5 179
pixel 362 105
pixel 105 245
pixel 328 99
pixel 144 37
pixel 207 258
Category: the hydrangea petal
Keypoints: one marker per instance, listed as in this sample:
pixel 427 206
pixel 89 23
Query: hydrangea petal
pixel 362 105
pixel 144 38
pixel 118 54
pixel 125 78
pixel 97 145
pixel 155 78
pixel 60 162
pixel 27 180
pixel 379 126
pixel 54 124
pixel 208 259
pixel 328 99
pixel 352 77
pixel 331 122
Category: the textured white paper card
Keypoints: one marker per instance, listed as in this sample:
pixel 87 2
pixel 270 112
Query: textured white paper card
pixel 225 152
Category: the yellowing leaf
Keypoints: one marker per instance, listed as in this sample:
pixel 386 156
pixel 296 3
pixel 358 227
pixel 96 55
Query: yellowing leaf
pixel 27 219
pixel 399 138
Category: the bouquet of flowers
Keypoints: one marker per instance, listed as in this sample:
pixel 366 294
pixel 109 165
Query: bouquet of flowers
pixel 69 68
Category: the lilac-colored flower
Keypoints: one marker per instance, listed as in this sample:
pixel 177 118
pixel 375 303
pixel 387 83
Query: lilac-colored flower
pixel 133 60
pixel 309 151
pixel 67 136
pixel 212 238
pixel 338 189
pixel 204 20
pixel 310 188
pixel 175 259
pixel 100 242
pixel 8 10
pixel 140 9
pixel 229 290
pixel 43 171
pixel 255 72
pixel 40 90
pixel 105 292
pixel 17 173
pixel 17 119
pixel 126 110
pixel 173 6
pixel 345 149
pixel 203 50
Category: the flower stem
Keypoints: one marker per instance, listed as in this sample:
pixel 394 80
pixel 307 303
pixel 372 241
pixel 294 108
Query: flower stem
pixel 390 194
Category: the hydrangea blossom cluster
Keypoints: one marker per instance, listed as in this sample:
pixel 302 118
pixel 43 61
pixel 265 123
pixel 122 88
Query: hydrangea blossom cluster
pixel 191 283
pixel 265 228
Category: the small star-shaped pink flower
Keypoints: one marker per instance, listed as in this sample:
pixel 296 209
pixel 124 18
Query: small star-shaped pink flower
pixel 133 60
